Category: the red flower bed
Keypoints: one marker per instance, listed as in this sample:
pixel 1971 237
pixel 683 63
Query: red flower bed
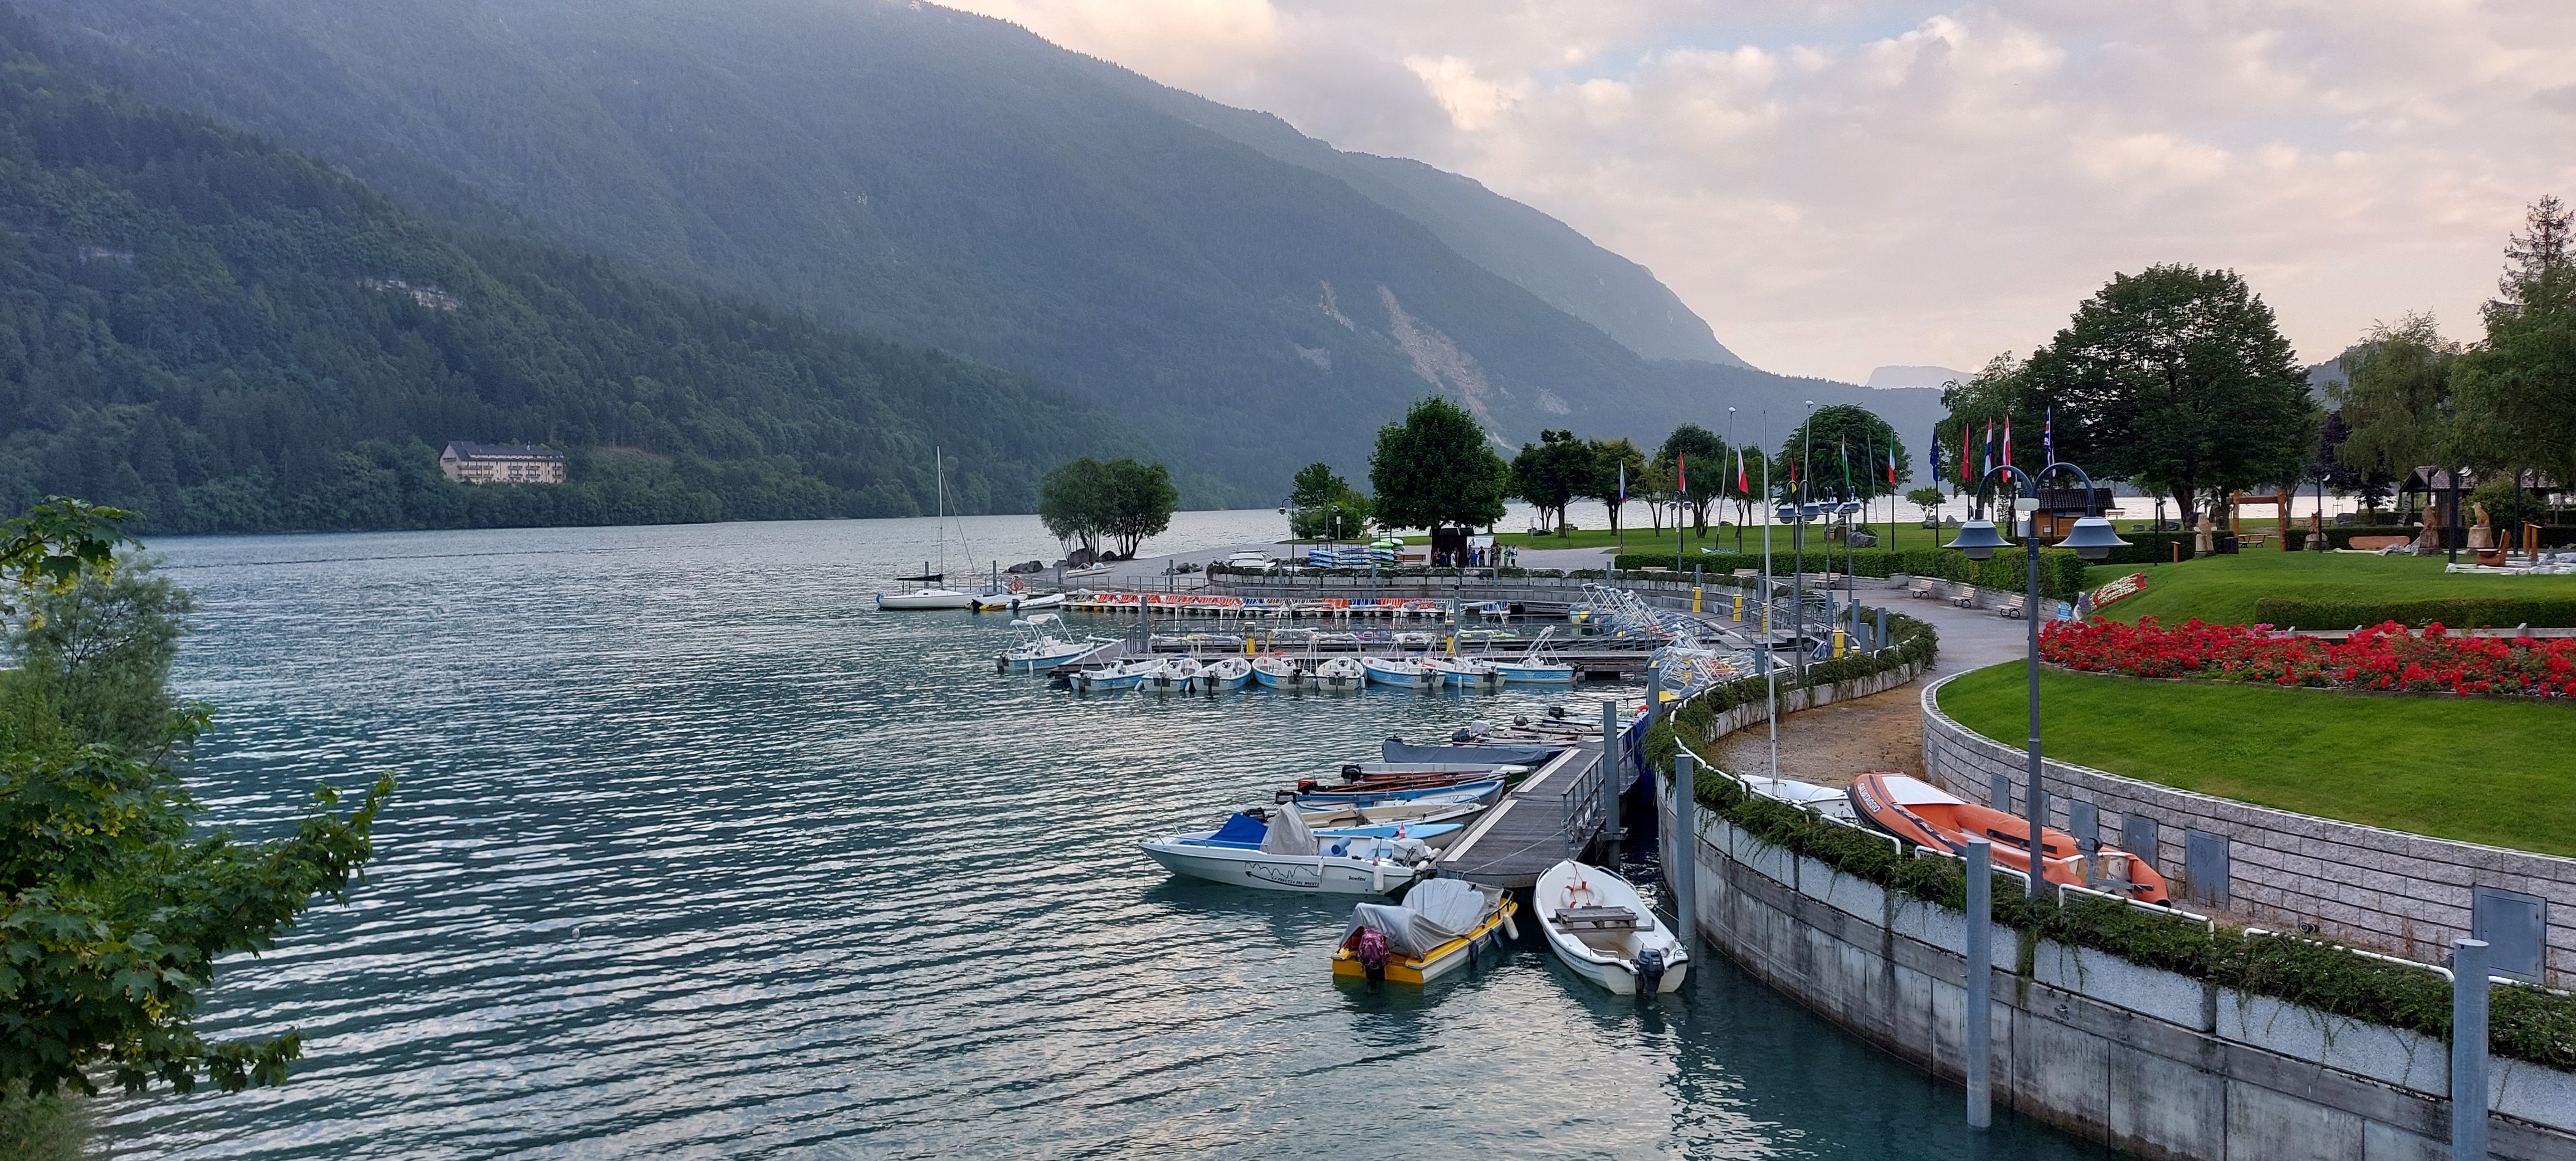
pixel 2386 657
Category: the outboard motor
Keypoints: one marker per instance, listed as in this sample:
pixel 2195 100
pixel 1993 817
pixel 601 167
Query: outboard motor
pixel 1463 735
pixel 1520 719
pixel 1373 953
pixel 1350 772
pixel 1556 711
pixel 1650 972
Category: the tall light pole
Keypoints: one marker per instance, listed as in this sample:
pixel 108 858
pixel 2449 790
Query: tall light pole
pixel 2093 539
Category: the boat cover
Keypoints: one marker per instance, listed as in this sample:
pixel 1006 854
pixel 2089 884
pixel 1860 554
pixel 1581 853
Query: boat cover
pixel 1399 750
pixel 1240 828
pixel 1434 912
pixel 1288 835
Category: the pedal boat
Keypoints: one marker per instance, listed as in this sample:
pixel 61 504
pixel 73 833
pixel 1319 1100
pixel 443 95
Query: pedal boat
pixel 1926 815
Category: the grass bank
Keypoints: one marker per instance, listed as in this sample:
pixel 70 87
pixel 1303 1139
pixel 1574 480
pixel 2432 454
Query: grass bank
pixel 2495 772
pixel 2222 589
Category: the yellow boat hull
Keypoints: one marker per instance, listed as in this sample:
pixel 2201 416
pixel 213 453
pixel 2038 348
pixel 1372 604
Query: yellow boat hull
pixel 1439 961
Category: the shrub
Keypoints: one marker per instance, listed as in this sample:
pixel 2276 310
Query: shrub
pixel 2464 612
pixel 2061 574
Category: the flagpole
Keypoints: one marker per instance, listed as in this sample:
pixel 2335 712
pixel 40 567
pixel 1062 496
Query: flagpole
pixel 1739 463
pixel 1770 664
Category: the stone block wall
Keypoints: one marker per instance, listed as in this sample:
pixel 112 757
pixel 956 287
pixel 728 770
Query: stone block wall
pixel 2157 1064
pixel 2405 894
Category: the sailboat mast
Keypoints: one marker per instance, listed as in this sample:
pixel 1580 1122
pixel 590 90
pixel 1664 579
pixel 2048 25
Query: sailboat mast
pixel 939 485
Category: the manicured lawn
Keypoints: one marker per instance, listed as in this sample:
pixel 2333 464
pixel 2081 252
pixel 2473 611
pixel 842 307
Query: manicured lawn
pixel 2488 771
pixel 2222 589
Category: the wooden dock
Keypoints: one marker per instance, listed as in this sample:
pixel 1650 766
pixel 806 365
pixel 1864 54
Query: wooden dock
pixel 1553 816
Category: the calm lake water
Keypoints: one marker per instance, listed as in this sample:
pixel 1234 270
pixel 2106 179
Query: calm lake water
pixel 696 855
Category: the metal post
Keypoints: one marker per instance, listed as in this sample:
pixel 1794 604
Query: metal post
pixel 2468 1050
pixel 1881 638
pixel 2038 794
pixel 1610 756
pixel 1981 973
pixel 1681 848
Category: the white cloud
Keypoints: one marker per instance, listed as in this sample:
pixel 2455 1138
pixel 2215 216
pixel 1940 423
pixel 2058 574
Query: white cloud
pixel 1836 187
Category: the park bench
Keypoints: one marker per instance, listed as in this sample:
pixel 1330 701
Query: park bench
pixel 2377 543
pixel 1922 590
pixel 2011 608
pixel 1965 598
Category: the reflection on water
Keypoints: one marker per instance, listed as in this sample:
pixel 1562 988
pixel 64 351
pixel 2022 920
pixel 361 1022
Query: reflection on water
pixel 695 855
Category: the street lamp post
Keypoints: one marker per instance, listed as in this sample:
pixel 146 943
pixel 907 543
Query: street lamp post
pixel 2093 539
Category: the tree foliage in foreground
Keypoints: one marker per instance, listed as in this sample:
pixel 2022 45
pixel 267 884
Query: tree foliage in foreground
pixel 114 902
pixel 2516 390
pixel 1085 501
pixel 1322 504
pixel 1435 470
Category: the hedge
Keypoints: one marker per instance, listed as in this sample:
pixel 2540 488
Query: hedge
pixel 2524 1023
pixel 2061 574
pixel 2551 535
pixel 2459 613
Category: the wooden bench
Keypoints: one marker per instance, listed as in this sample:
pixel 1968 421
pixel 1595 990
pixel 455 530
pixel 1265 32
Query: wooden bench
pixel 1922 590
pixel 2376 543
pixel 1965 598
pixel 1598 919
pixel 2012 608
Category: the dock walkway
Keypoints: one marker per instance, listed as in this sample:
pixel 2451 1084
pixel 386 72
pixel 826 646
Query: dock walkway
pixel 1553 816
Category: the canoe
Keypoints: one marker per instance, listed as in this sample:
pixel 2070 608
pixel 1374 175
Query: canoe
pixel 1403 674
pixel 1172 675
pixel 1442 925
pixel 1279 673
pixel 1341 673
pixel 1467 672
pixel 1598 925
pixel 1225 673
pixel 921 599
pixel 1283 854
pixel 1926 815
pixel 1124 675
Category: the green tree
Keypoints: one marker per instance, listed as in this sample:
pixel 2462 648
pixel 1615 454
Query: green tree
pixel 1995 393
pixel 1655 486
pixel 1316 485
pixel 1614 461
pixel 2516 389
pixel 1435 469
pixel 2176 378
pixel 1073 504
pixel 1845 446
pixel 1549 474
pixel 2395 396
pixel 115 902
pixel 1085 501
pixel 1927 498
pixel 1699 458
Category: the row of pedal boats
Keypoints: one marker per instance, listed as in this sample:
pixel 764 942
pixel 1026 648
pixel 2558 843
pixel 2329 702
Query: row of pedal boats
pixel 1271 671
pixel 1377 830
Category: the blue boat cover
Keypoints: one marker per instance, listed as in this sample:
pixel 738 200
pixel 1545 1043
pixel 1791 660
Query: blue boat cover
pixel 1240 828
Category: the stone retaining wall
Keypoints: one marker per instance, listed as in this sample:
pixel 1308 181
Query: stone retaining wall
pixel 2158 1064
pixel 2402 892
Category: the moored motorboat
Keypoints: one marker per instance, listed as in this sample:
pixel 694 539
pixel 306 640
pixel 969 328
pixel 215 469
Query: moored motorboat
pixel 1123 675
pixel 1465 672
pixel 1537 666
pixel 916 600
pixel 1340 673
pixel 1442 925
pixel 1419 814
pixel 1283 854
pixel 1479 790
pixel 1530 754
pixel 1926 815
pixel 1599 925
pixel 1397 672
pixel 1280 673
pixel 1225 673
pixel 1041 646
pixel 1172 675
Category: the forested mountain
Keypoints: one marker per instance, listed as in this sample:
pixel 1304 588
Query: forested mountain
pixel 227 336
pixel 952 180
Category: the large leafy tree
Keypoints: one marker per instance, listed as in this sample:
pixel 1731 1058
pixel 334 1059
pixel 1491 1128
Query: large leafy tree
pixel 1845 447
pixel 1435 469
pixel 2178 378
pixel 2394 397
pixel 1698 459
pixel 1084 501
pixel 1997 393
pixel 1322 503
pixel 114 903
pixel 1549 474
pixel 1617 465
pixel 2516 389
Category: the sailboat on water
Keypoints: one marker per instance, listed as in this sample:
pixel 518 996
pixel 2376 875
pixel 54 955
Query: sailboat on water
pixel 929 592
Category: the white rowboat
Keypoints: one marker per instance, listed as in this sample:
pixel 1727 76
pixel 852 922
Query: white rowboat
pixel 1597 923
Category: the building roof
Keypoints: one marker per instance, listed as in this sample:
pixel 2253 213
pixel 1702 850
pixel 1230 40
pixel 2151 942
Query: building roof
pixel 512 451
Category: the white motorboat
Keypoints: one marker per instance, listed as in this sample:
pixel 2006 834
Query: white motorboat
pixel 1172 675
pixel 1041 646
pixel 1284 854
pixel 1397 672
pixel 1225 673
pixel 1017 602
pixel 1124 675
pixel 1597 923
pixel 1537 666
pixel 1280 673
pixel 1418 812
pixel 1468 672
pixel 1340 673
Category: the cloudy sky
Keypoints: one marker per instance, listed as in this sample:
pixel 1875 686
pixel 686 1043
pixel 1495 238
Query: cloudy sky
pixel 1839 184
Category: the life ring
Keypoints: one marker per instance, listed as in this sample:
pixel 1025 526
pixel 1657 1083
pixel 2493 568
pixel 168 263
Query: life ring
pixel 1018 585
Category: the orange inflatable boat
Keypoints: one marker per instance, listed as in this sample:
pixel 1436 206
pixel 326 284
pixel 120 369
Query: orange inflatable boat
pixel 1926 815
